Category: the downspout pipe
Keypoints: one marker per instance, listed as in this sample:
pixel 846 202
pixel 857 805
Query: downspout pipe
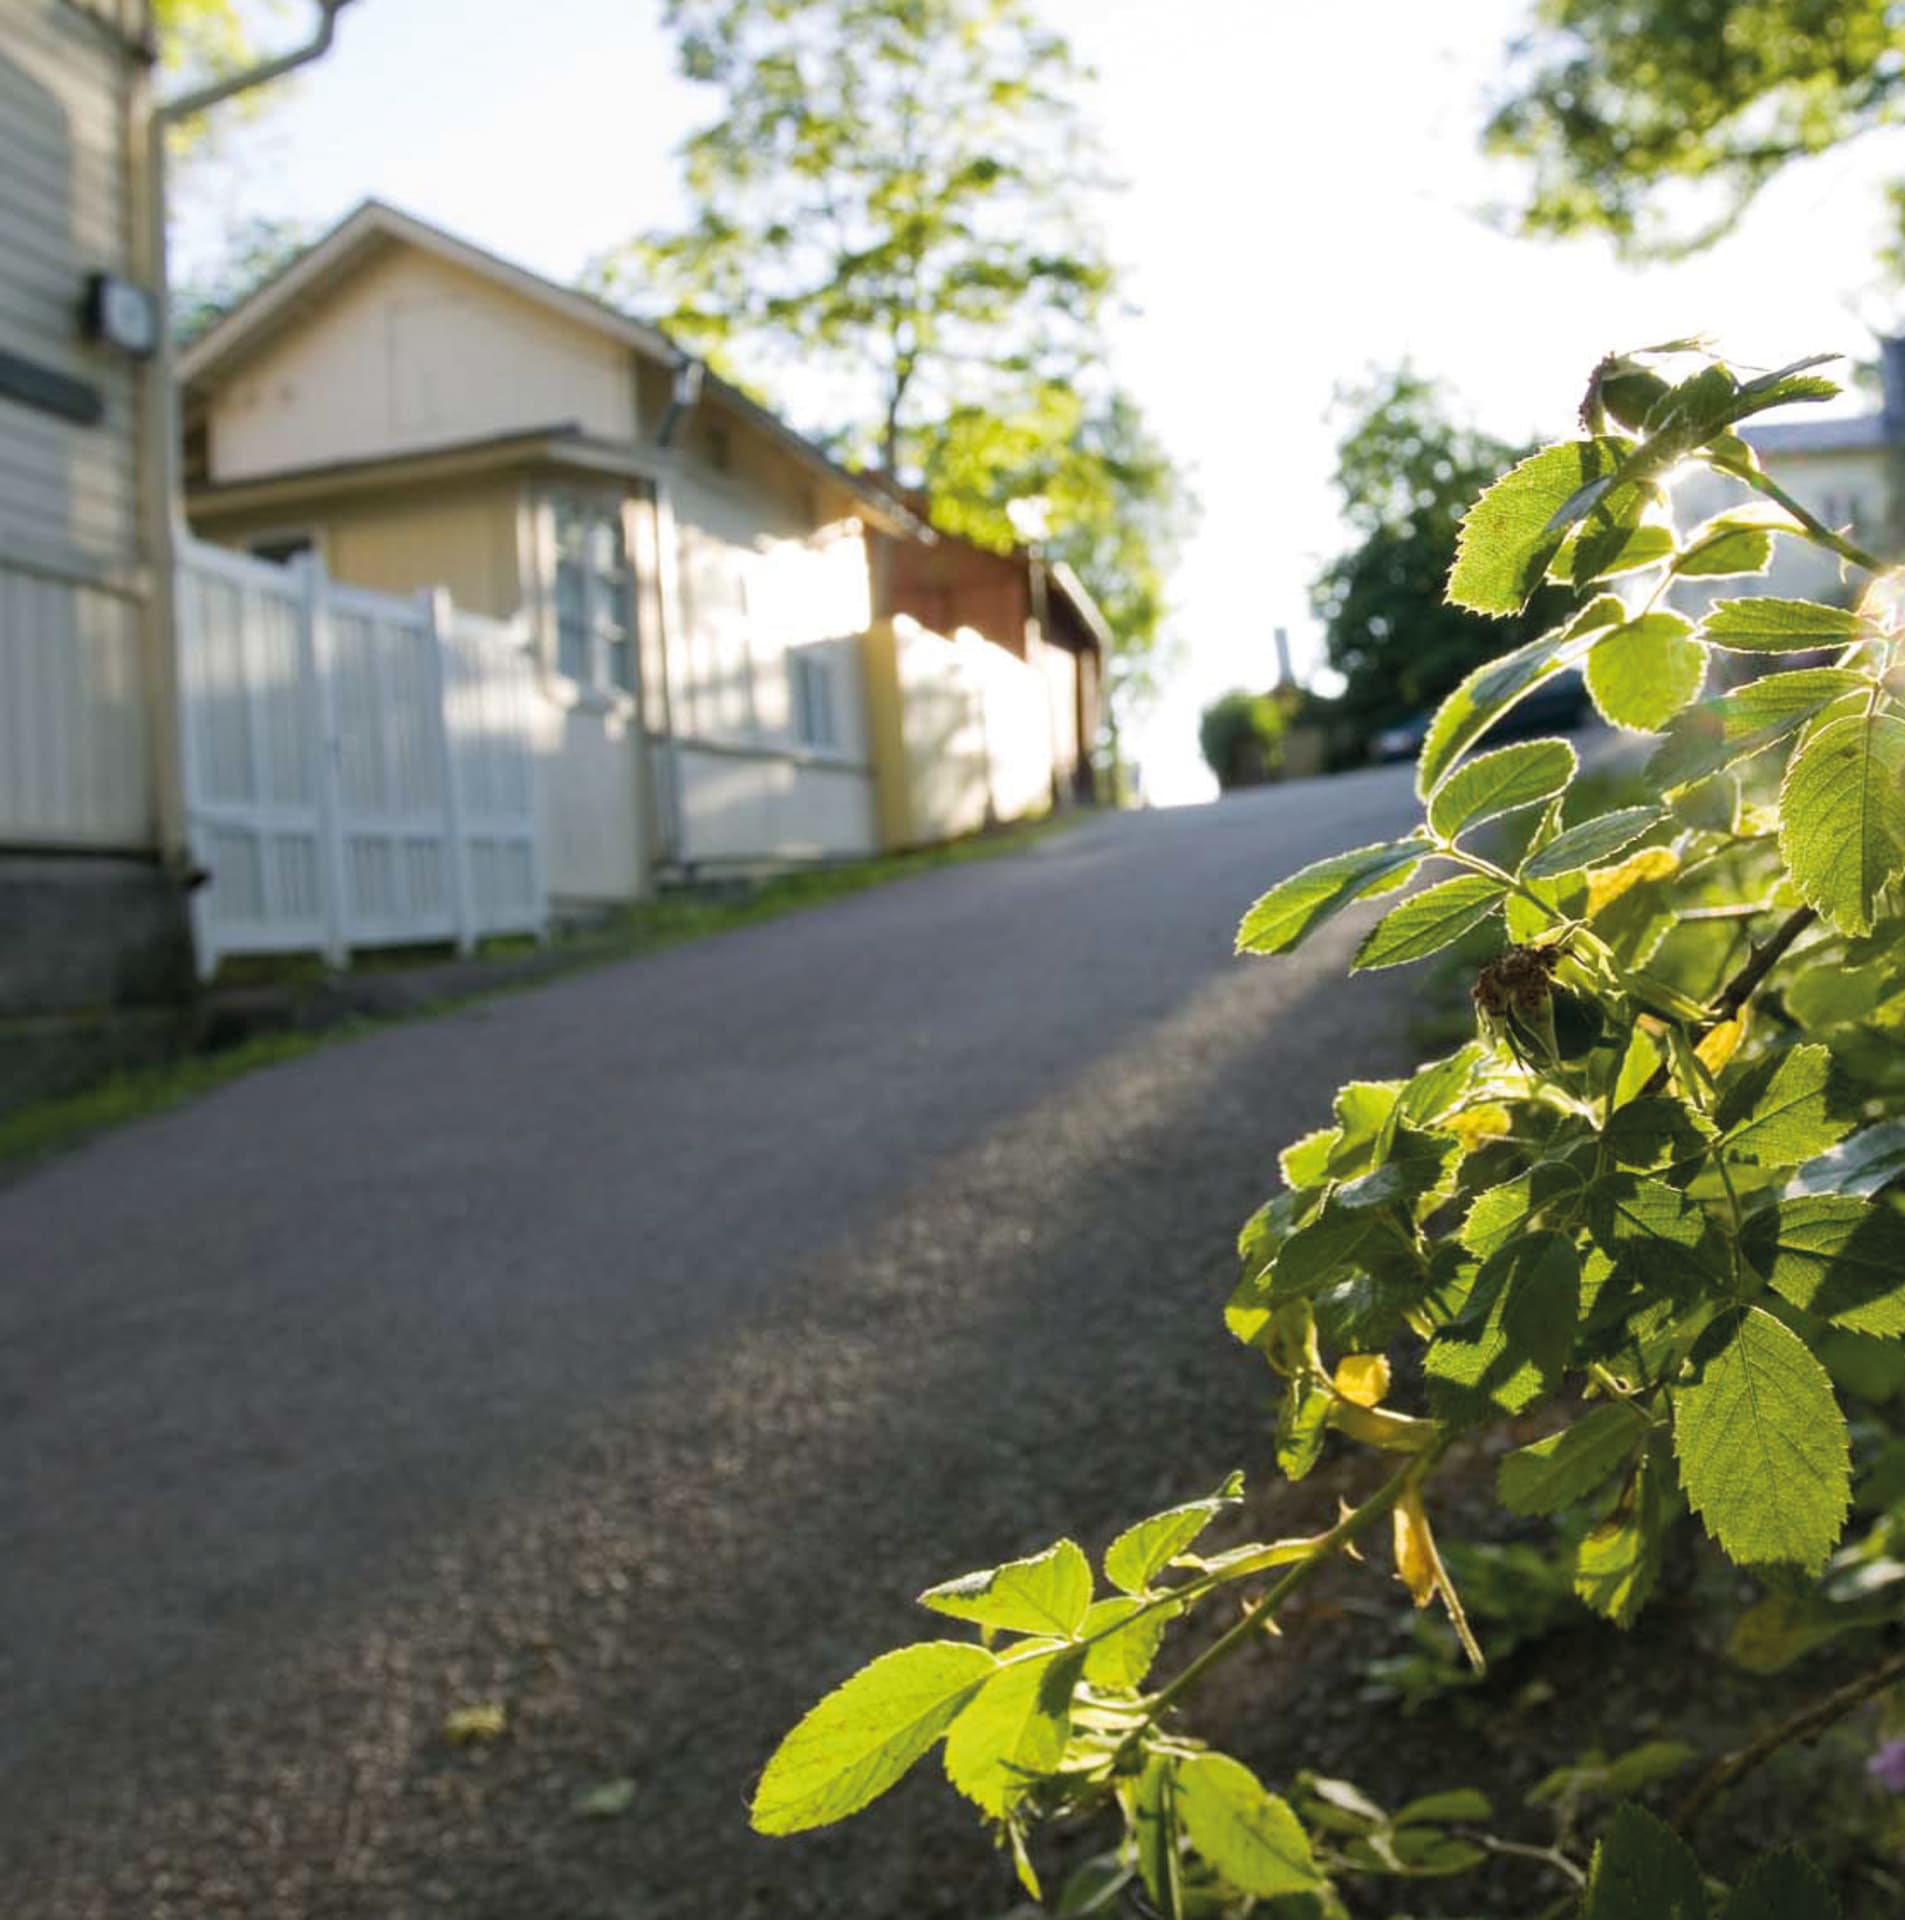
pixel 682 400
pixel 163 412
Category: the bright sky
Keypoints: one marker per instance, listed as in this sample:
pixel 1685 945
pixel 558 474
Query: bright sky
pixel 1302 206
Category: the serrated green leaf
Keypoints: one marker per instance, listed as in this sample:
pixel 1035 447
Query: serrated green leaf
pixel 1294 908
pixel 864 1735
pixel 1842 816
pixel 1656 1130
pixel 1645 671
pixel 1568 1466
pixel 1428 921
pixel 1014 1729
pixel 1416 1164
pixel 1435 1087
pixel 1781 1886
pixel 1607 547
pixel 1618 1560
pixel 1643 1870
pixel 1655 1236
pixel 1762 1444
pixel 1123 1657
pixel 1495 686
pixel 1552 1188
pixel 1302 1422
pixel 1511 1342
pixel 1784 1109
pixel 1763 624
pixel 1836 1256
pixel 1267 1229
pixel 1320 1249
pixel 1786 384
pixel 1725 547
pixel 1720 733
pixel 1250 1836
pixel 1496 783
pixel 1591 842
pixel 1364 1110
pixel 1047 1593
pixel 1511 533
pixel 1306 1162
pixel 1139 1553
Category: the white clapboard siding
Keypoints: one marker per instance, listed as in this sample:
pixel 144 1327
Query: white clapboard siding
pixel 359 770
pixel 73 723
pixel 65 213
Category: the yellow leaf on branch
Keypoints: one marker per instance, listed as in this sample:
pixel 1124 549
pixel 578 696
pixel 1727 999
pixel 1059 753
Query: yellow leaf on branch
pixel 1363 1378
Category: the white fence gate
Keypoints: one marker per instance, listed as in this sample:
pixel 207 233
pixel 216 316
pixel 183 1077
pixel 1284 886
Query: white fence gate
pixel 360 771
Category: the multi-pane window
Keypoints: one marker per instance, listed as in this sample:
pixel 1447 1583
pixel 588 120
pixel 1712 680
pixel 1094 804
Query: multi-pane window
pixel 814 722
pixel 595 595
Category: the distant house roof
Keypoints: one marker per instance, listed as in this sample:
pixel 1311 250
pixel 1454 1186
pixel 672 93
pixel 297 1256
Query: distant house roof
pixel 1090 614
pixel 1857 433
pixel 1860 433
pixel 283 299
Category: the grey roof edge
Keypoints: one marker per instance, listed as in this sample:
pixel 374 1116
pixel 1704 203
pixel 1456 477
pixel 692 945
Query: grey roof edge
pixel 1846 434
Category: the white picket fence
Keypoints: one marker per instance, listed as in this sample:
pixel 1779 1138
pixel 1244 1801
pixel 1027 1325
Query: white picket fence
pixel 360 771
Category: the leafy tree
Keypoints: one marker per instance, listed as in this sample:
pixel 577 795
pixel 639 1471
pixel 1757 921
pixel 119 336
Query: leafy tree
pixel 202 36
pixel 1116 507
pixel 892 193
pixel 894 196
pixel 1631 1246
pixel 253 252
pixel 1240 736
pixel 1657 121
pixel 1405 471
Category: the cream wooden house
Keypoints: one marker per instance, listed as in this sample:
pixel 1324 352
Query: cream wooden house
pixel 693 577
pixel 90 826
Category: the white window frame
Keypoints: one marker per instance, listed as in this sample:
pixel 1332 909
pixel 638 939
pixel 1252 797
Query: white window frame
pixel 813 699
pixel 605 517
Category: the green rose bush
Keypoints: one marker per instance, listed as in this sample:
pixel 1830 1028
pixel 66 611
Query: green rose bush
pixel 1644 1210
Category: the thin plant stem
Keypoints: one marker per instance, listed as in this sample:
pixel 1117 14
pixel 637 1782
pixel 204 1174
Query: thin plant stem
pixel 1741 988
pixel 1731 1768
pixel 1328 1545
pixel 1821 534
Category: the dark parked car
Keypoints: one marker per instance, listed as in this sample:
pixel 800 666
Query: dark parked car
pixel 1558 705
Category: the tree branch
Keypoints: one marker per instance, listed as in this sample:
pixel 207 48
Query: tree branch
pixel 1737 991
pixel 1759 963
pixel 1731 1768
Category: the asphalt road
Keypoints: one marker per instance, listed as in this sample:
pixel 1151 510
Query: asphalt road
pixel 627 1353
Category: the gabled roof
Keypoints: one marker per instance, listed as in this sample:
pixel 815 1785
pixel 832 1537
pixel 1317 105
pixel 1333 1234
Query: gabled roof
pixel 373 227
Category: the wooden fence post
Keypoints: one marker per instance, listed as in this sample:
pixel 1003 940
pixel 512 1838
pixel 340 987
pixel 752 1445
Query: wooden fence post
pixel 321 721
pixel 441 615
